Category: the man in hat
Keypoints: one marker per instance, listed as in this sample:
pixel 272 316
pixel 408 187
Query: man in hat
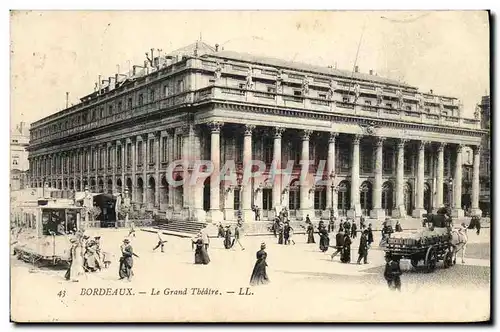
pixel 363 247
pixel 132 229
pixel 237 235
pixel 127 260
pixel 204 237
pixel 160 243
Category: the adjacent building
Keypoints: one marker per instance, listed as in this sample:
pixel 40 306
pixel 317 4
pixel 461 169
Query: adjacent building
pixel 19 165
pixel 485 170
pixel 389 149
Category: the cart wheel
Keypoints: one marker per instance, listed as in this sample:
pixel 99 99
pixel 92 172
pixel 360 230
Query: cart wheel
pixel 448 259
pixel 414 262
pixel 431 259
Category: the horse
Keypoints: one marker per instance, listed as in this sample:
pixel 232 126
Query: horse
pixel 459 242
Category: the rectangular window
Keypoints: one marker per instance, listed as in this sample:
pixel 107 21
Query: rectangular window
pixel 345 99
pixel 151 148
pixel 388 158
pixel 92 159
pixel 344 159
pixel 408 163
pixel 427 110
pixel 236 205
pixel 242 86
pixel 139 153
pixel 130 105
pixel 164 149
pixel 427 166
pixel 322 95
pixel 297 93
pixel 101 113
pixel 408 108
pixel 268 150
pixel 238 157
pixel 141 99
pixel 129 154
pixel 101 158
pixel 120 106
pixel 368 102
pixel 165 90
pixel 271 89
pixel 389 105
pixel 366 159
pixel 110 110
pixel 109 157
pixel 119 156
pixel 151 95
pixel 180 86
pixel 178 147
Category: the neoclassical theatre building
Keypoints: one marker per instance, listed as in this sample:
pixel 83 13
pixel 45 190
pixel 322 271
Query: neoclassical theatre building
pixel 390 150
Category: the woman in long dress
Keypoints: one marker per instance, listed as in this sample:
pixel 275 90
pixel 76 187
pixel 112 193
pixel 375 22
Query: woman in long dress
pixel 259 274
pixel 201 254
pixel 324 240
pixel 345 256
pixel 310 233
pixel 75 269
pixel 227 238
pixel 126 261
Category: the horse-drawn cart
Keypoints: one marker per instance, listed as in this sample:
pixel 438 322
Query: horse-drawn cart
pixel 427 245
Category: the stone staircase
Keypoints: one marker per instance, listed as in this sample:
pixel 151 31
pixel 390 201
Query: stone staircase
pixel 181 228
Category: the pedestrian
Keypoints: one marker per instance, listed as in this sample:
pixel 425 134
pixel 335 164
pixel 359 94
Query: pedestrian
pixel 398 227
pixel 310 232
pixel 354 230
pixel 392 272
pixel 286 233
pixel 227 238
pixel 331 224
pixel 259 274
pixel 370 235
pixel 276 226
pixel 362 224
pixel 324 240
pixel 237 235
pixel 160 243
pixel 75 269
pixel 308 220
pixel 127 260
pixel 204 236
pixel 200 253
pixel 339 242
pixel 290 234
pixel 220 230
pixel 363 247
pixel 132 229
pixel 345 256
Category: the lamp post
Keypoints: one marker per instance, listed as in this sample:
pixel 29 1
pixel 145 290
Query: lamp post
pixel 334 188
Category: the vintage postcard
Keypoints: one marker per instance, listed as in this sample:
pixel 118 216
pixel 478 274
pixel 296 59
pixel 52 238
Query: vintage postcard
pixel 250 166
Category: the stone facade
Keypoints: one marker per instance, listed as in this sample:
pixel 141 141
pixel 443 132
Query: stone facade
pixel 387 149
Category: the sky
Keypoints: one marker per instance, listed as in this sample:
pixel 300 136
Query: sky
pixel 54 52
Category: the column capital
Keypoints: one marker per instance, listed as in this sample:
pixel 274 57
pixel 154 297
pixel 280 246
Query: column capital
pixel 332 136
pixel 379 141
pixel 441 146
pixel 306 134
pixel 144 137
pixel 460 147
pixel 278 132
pixel 401 143
pixel 248 129
pixel 356 139
pixel 157 134
pixel 476 149
pixel 215 126
pixel 422 144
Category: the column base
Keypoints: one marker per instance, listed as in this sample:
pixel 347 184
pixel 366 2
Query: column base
pixel 229 214
pixel 418 213
pixel 216 216
pixel 476 212
pixel 399 212
pixel 200 215
pixel 377 214
pixel 356 212
pixel 248 215
pixel 457 213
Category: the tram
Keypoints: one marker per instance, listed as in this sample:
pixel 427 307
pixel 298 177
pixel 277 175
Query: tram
pixel 40 232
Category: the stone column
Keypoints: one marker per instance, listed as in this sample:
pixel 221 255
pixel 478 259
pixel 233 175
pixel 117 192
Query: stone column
pixel 105 174
pixel 400 211
pixel 80 160
pixel 355 210
pixel 133 194
pixel 246 192
pixel 331 205
pixel 96 175
pixel 378 212
pixel 277 188
pixel 215 211
pixel 157 168
pixel 305 200
pixel 145 181
pixel 420 183
pixel 439 177
pixel 114 164
pixel 62 161
pixel 475 182
pixel 457 210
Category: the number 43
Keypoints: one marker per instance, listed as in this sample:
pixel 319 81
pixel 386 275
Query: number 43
pixel 61 293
